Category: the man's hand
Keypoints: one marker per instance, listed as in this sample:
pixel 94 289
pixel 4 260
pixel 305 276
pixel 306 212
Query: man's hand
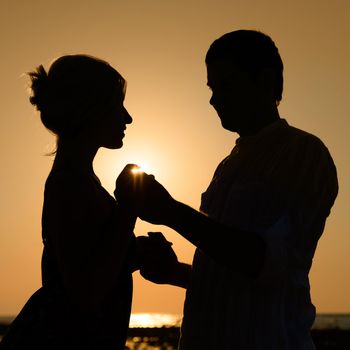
pixel 141 194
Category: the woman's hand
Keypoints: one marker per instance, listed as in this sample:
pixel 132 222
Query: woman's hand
pixel 126 192
pixel 158 261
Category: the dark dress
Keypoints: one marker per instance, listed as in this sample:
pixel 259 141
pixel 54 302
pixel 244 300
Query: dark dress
pixel 52 319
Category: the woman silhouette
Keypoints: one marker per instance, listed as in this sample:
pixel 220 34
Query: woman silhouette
pixel 87 262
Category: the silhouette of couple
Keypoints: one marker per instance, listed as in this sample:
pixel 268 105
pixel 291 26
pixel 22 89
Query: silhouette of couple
pixel 256 232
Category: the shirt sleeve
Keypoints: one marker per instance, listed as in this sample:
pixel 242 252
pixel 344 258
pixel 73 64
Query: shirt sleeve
pixel 277 246
pixel 309 192
pixel 311 175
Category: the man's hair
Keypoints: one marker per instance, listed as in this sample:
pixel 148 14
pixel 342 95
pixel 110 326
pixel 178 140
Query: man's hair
pixel 251 51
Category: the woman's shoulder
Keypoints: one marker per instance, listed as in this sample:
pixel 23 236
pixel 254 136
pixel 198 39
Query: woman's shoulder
pixel 69 192
pixel 70 182
pixel 62 180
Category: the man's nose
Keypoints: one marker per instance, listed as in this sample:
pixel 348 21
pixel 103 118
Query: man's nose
pixel 212 100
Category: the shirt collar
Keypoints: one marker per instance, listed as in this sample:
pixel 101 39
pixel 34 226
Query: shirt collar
pixel 264 133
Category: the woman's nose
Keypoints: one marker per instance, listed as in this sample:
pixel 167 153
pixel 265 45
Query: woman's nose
pixel 127 117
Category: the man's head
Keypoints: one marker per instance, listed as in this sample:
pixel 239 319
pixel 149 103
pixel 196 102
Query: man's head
pixel 245 73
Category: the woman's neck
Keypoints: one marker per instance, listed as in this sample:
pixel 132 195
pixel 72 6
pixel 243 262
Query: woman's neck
pixel 75 155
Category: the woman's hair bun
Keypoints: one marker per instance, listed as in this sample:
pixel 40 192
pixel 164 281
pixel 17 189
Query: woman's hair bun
pixel 39 86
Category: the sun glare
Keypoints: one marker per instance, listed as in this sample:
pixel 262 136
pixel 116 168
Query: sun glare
pixel 108 165
pixel 141 168
pixel 137 170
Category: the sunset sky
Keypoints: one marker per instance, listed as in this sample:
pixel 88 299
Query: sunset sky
pixel 159 47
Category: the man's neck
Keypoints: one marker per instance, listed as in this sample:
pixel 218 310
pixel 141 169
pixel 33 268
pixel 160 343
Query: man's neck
pixel 260 122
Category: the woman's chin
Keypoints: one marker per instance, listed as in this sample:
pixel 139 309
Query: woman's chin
pixel 116 144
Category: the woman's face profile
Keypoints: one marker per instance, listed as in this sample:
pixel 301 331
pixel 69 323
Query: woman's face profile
pixel 112 124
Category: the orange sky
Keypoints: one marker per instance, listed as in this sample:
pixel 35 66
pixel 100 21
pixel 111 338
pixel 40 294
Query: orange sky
pixel 159 47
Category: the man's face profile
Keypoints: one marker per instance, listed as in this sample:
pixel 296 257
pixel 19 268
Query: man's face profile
pixel 233 94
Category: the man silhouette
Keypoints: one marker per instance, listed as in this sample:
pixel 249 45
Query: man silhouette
pixel 261 216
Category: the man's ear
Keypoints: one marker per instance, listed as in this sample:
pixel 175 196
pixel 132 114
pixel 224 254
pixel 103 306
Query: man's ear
pixel 267 81
pixel 267 76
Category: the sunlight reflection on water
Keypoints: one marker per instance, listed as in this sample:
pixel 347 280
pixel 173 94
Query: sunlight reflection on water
pixel 151 320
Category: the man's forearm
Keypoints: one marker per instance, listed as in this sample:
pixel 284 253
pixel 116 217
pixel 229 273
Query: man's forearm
pixel 181 275
pixel 238 250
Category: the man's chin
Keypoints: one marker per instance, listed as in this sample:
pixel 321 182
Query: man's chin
pixel 228 127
